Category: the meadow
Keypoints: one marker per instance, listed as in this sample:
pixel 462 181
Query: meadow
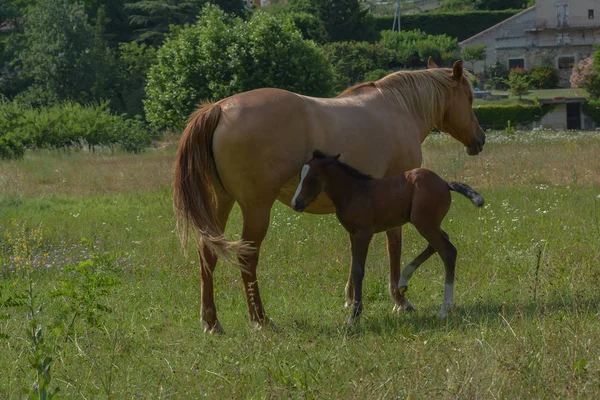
pixel 91 265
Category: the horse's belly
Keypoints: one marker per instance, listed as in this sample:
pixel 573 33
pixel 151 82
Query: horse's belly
pixel 321 205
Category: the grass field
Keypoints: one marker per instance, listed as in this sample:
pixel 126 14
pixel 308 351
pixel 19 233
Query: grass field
pixel 126 323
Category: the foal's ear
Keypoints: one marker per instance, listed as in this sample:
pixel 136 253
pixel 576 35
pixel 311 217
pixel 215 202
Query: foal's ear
pixel 431 64
pixel 457 70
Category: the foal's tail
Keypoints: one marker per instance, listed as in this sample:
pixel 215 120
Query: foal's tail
pixel 468 192
pixel 194 196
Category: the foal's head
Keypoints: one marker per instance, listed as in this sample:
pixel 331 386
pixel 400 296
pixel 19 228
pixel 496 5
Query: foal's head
pixel 311 179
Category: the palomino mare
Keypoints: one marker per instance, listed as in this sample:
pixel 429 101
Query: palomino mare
pixel 250 148
pixel 365 206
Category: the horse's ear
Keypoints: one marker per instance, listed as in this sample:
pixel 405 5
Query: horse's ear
pixel 431 64
pixel 337 157
pixel 457 70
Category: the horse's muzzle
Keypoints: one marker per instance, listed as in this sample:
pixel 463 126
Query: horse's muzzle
pixel 476 146
pixel 299 206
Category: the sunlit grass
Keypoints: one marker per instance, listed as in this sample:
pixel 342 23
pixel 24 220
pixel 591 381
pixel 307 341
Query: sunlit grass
pixel 525 326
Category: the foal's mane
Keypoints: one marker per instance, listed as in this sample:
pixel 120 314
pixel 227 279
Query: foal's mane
pixel 347 168
pixel 421 92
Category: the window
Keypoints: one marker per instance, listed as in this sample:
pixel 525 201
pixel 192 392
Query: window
pixel 591 14
pixel 562 15
pixel 563 38
pixel 516 63
pixel 566 62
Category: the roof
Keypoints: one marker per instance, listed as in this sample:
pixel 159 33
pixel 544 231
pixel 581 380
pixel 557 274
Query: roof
pixel 498 25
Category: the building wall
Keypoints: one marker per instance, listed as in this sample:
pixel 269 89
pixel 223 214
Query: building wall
pixel 578 13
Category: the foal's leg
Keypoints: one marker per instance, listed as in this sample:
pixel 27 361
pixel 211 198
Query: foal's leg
pixel 439 240
pixel 360 247
pixel 407 272
pixel 394 249
pixel 256 224
pixel 208 310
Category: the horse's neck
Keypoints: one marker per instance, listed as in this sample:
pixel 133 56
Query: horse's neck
pixel 340 187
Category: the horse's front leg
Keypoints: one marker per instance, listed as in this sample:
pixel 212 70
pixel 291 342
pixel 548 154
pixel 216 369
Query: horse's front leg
pixel 360 247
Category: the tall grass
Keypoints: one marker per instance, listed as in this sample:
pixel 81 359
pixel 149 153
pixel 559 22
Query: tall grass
pixel 525 326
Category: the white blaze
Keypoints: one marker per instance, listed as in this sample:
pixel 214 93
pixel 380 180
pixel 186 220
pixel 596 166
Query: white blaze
pixel 302 176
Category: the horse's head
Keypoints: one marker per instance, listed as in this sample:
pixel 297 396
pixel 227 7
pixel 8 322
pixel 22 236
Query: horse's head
pixel 458 118
pixel 311 180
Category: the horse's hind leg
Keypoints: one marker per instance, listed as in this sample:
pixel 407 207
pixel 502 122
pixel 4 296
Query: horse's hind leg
pixel 256 224
pixel 208 309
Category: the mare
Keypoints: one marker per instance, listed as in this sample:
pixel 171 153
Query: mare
pixel 365 206
pixel 250 149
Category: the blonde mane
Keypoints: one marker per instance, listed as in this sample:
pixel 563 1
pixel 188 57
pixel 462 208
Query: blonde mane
pixel 421 92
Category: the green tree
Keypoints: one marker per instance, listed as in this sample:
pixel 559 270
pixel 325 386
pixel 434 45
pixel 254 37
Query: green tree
pixel 518 84
pixel 231 6
pixel 222 55
pixel 63 53
pixel 413 48
pixel 134 62
pixel 152 18
pixel 473 53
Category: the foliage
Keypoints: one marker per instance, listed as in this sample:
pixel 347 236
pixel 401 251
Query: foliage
pixel 64 54
pixel 68 125
pixel 376 74
pixel 473 53
pixel 154 17
pixel 351 61
pixel 311 26
pixel 518 82
pixel 223 55
pixel 543 77
pixel 344 20
pixel 413 48
pixel 586 75
pixel 496 74
pixel 83 289
pixel 134 63
pixel 592 109
pixel 460 25
pixel 500 4
pixel 496 117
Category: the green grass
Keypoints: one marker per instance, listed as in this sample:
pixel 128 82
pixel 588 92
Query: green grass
pixel 526 323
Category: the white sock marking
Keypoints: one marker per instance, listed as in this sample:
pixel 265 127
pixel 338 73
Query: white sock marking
pixel 407 272
pixel 302 176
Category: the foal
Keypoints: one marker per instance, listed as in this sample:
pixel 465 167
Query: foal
pixel 365 206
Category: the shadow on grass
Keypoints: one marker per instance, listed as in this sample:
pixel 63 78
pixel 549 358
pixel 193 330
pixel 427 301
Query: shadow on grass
pixel 472 316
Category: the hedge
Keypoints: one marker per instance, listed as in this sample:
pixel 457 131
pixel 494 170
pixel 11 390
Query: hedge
pixel 497 116
pixel 68 125
pixel 461 25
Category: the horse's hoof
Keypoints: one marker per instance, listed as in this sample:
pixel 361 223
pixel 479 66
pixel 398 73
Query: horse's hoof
pixel 349 303
pixel 215 329
pixel 404 306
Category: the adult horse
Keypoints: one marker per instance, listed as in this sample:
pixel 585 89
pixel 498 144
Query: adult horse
pixel 250 148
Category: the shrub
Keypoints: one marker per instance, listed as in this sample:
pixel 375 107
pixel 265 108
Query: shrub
pixel 68 125
pixel 592 109
pixel 460 25
pixel 413 48
pixel 497 117
pixel 496 74
pixel 518 82
pixel 543 77
pixel 351 61
pixel 223 55
pixel 376 74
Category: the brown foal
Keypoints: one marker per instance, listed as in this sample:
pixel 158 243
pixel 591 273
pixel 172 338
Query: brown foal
pixel 365 206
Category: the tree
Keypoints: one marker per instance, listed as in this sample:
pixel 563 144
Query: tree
pixel 153 17
pixel 518 84
pixel 231 6
pixel 413 48
pixel 473 53
pixel 222 55
pixel 134 62
pixel 63 54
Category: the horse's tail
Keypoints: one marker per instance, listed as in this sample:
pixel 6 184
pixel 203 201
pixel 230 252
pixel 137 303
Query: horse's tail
pixel 194 196
pixel 468 192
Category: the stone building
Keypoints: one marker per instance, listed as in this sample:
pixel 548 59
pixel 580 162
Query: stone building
pixel 558 33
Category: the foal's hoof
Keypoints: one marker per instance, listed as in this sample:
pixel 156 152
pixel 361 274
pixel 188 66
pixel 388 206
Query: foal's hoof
pixel 215 329
pixel 446 309
pixel 349 303
pixel 267 324
pixel 404 305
